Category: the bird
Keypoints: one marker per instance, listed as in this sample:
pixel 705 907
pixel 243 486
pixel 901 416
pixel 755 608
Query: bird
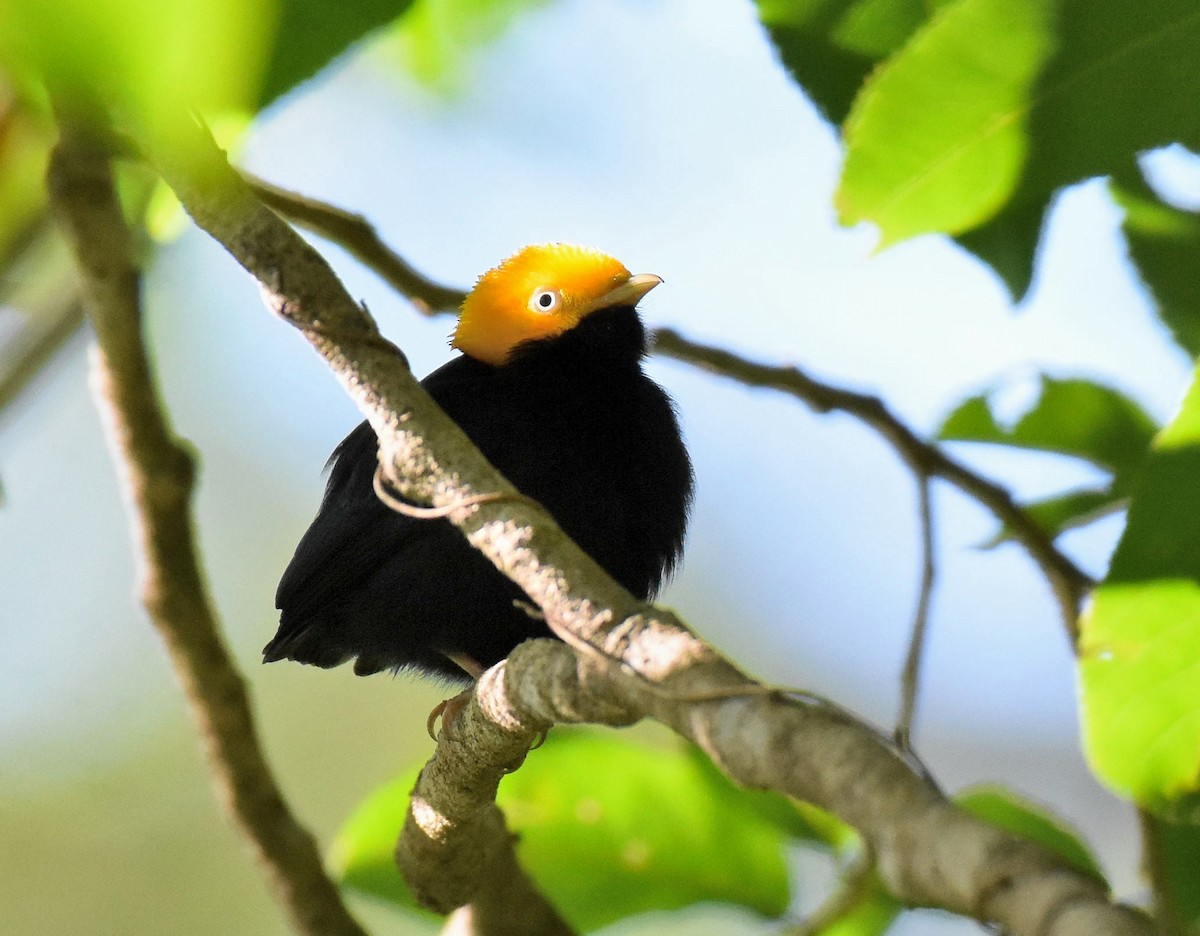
pixel 549 385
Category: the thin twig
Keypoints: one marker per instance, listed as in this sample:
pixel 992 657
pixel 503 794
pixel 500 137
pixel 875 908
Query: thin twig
pixel 357 235
pixel 1069 583
pixel 911 675
pixel 40 293
pixel 929 851
pixel 158 474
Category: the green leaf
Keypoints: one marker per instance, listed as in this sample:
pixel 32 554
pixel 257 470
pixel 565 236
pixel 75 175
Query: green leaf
pixel 436 36
pixel 996 104
pixel 1055 515
pixel 1006 810
pixel 312 33
pixel 1071 417
pixel 1140 643
pixel 872 915
pixel 24 140
pixel 1120 83
pixel 1008 244
pixel 937 140
pixel 148 58
pixel 830 46
pixel 1078 418
pixel 1164 244
pixel 608 829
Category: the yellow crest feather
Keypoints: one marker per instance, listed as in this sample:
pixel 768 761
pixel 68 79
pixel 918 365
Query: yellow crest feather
pixel 501 313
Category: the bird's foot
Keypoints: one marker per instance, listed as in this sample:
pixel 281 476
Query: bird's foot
pixel 447 710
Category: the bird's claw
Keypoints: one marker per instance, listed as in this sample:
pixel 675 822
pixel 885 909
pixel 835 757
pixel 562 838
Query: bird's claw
pixel 447 710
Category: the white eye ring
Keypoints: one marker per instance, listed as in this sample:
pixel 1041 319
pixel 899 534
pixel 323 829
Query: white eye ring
pixel 545 301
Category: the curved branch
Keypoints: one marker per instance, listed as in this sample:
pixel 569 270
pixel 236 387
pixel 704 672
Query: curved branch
pixel 357 235
pixel 158 474
pixel 641 660
pixel 1069 583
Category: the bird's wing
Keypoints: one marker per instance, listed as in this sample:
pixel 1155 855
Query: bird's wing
pixel 351 536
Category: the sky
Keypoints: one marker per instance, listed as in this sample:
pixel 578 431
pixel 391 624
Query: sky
pixel 666 134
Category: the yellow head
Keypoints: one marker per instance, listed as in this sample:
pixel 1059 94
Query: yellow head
pixel 539 292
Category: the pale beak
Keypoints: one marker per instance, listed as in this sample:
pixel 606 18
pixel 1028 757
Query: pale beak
pixel 629 293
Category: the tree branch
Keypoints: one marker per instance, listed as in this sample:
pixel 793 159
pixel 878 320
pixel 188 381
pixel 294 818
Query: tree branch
pixel 911 675
pixel 158 472
pixel 1069 583
pixel 639 660
pixel 41 291
pixel 357 235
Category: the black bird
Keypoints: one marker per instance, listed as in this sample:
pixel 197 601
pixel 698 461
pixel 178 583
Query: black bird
pixel 550 386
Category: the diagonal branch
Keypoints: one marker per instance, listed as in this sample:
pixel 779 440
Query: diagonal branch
pixel 358 235
pixel 640 660
pixel 40 308
pixel 1069 583
pixel 158 472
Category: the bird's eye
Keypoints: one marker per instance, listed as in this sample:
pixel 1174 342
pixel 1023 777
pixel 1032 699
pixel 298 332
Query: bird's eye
pixel 545 301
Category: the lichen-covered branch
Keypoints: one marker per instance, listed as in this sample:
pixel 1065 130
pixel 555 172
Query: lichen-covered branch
pixel 626 659
pixel 157 473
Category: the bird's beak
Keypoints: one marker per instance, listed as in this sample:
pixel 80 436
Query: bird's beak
pixel 629 293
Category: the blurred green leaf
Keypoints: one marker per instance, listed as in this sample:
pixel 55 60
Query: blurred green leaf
pixel 1056 515
pixel 312 33
pixel 1008 243
pixel 991 106
pixel 608 829
pixel 25 139
pixel 361 855
pixel 435 37
pixel 1006 810
pixel 149 59
pixel 1120 83
pixel 1078 418
pixel 1164 244
pixel 830 46
pixel 1140 644
pixel 936 141
pixel 873 915
pixel 1071 417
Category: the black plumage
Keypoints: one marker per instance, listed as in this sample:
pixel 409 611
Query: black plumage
pixel 573 422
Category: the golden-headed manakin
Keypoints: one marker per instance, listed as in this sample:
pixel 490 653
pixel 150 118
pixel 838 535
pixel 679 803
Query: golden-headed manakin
pixel 549 386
